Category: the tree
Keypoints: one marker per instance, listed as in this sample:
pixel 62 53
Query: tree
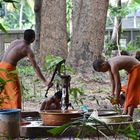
pixel 1 2
pixel 88 21
pixel 116 34
pixel 37 9
pixel 17 15
pixel 53 37
pixel 117 11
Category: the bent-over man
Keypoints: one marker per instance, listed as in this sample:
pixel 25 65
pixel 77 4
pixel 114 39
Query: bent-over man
pixel 132 66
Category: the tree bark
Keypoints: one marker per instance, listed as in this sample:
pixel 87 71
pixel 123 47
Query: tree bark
pixel 53 39
pixel 88 21
pixel 37 9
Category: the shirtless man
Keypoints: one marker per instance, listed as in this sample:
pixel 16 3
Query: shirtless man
pixel 18 49
pixel 52 103
pixel 130 65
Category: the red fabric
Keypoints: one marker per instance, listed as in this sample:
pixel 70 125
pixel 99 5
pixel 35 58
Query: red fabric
pixel 133 88
pixel 11 89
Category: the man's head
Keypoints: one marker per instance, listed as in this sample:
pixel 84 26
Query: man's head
pixel 100 65
pixel 29 36
pixel 58 96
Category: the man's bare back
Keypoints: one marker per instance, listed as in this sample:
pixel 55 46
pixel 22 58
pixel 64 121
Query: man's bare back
pixel 122 62
pixel 21 48
pixel 16 51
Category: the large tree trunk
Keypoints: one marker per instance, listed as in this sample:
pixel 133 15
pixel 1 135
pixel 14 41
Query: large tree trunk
pixel 37 9
pixel 53 39
pixel 89 18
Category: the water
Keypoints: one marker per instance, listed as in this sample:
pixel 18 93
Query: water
pixel 63 101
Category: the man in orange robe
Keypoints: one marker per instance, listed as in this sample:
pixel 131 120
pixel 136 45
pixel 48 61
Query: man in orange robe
pixel 130 65
pixel 11 94
pixel 133 88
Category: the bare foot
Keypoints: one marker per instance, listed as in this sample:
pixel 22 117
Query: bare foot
pixel 125 112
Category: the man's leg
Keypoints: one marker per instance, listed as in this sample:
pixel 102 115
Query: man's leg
pixel 125 111
pixel 130 110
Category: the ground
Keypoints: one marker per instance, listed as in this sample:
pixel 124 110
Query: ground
pixel 96 90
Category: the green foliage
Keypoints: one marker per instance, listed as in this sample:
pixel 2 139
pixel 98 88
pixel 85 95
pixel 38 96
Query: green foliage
pixel 2 84
pixel 89 126
pixel 130 46
pixel 124 10
pixel 51 62
pixel 129 132
pixel 57 131
pixel 85 127
pixel 118 11
pixel 2 28
pixel 26 70
pixel 7 1
pixel 137 1
pixel 11 1
pixel 109 47
pixel 11 20
pixel 25 91
pixel 76 93
pixel 9 17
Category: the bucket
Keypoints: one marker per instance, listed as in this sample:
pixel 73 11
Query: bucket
pixel 9 123
pixel 57 117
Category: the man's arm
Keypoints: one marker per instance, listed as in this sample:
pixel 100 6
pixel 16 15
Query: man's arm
pixel 112 82
pixel 31 57
pixel 117 84
pixel 48 104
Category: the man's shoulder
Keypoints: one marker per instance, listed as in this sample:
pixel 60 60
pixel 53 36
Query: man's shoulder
pixel 121 58
pixel 17 40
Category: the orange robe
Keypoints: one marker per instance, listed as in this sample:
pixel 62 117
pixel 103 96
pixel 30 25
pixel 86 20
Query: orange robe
pixel 11 92
pixel 124 88
pixel 133 88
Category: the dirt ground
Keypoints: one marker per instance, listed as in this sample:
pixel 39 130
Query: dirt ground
pixel 96 90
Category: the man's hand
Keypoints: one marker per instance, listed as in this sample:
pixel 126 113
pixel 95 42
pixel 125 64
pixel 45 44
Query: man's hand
pixel 114 100
pixel 118 101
